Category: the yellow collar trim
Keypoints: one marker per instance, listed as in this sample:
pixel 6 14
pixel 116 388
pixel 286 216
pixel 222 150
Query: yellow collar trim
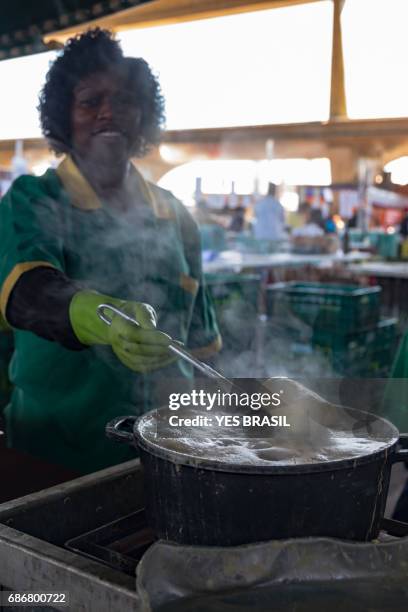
pixel 84 197
pixel 79 190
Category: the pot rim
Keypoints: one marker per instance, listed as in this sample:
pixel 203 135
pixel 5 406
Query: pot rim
pixel 201 463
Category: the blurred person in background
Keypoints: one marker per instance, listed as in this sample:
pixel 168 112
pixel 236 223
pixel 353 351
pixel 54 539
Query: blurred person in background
pixel 237 223
pixel 330 226
pixel 352 223
pixel 403 228
pixel 94 231
pixel 312 220
pixel 403 232
pixel 269 217
pixel 317 217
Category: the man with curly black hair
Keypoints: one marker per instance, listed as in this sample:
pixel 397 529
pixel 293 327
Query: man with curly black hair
pixel 90 232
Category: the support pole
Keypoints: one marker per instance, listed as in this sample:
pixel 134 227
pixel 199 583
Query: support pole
pixel 338 106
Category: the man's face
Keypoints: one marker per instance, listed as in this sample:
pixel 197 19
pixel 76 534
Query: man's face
pixel 104 118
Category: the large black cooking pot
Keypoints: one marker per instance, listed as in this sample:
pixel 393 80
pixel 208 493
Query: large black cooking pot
pixel 200 501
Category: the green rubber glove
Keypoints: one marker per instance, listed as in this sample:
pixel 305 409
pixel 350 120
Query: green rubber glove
pixel 142 349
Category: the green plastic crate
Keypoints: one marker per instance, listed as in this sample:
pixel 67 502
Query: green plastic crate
pixel 368 353
pixel 387 334
pixel 379 337
pixel 365 353
pixel 328 306
pixel 375 367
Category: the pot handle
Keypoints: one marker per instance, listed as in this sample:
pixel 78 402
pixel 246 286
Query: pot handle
pixel 392 526
pixel 121 429
pixel 402 453
pixel 395 528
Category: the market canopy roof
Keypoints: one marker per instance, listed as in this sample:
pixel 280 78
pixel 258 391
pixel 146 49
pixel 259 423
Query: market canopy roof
pixel 28 27
pixel 24 23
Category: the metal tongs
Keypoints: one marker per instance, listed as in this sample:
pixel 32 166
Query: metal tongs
pixel 174 347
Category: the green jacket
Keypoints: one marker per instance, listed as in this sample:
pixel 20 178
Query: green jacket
pixel 62 399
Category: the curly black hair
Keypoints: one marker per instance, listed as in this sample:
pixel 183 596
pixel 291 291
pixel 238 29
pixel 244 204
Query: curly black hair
pixel 97 50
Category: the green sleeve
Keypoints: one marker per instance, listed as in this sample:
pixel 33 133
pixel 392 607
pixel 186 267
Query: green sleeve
pixel 31 232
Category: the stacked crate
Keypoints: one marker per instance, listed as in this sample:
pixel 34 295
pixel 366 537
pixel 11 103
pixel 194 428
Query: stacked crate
pixel 340 322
